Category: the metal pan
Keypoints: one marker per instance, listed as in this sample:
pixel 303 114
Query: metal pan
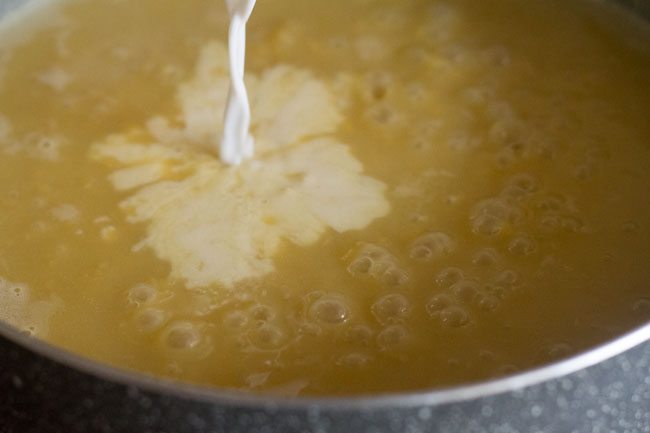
pixel 48 390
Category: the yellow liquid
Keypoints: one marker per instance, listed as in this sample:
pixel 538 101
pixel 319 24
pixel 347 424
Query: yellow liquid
pixel 512 138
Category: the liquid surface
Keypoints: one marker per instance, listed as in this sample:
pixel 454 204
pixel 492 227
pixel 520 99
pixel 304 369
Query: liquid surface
pixel 443 192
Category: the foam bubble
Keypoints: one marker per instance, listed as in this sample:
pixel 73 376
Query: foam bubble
pixel 361 266
pixel 236 319
pixel 485 257
pixel 642 306
pixel 465 290
pixel 487 225
pixel 431 246
pixel 329 310
pixel 454 317
pixel 377 262
pixel 448 277
pixel 525 182
pixel 393 336
pixel 522 245
pixel 360 334
pixel 354 360
pixel 553 202
pixel 141 294
pixel 182 336
pixel 262 313
pixel 507 278
pixel 572 223
pixel 394 277
pixel 392 308
pixel 487 302
pixel 150 319
pixel 438 303
pixel 489 217
pixel 267 337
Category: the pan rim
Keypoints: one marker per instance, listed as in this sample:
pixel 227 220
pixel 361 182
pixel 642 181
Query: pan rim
pixel 403 399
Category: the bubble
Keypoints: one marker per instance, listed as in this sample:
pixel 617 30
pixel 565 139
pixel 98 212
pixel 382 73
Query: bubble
pixel 392 336
pixel 235 319
pixel 496 291
pixel 361 266
pixel 465 290
pixel 329 310
pixel 507 278
pixel 392 308
pixel 553 202
pixel 262 313
pixel 525 182
pixel 373 260
pixel 394 277
pixel 267 337
pixel 141 294
pixel 522 245
pixel 571 223
pixel 487 225
pixel 642 306
pixel 550 222
pixel 559 350
pixel 490 217
pixel 448 277
pixel 354 360
pixel 432 246
pixel 182 335
pixel 438 303
pixel 309 329
pixel 360 334
pixel 485 257
pixel 503 131
pixel 520 186
pixel 487 302
pixel 454 317
pixel 150 319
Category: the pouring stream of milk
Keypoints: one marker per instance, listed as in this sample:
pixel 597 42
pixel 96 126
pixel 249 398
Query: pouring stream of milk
pixel 237 143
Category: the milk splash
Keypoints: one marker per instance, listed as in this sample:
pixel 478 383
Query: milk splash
pixel 237 143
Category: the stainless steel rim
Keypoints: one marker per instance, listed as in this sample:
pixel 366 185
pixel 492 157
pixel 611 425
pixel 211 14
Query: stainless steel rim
pixel 406 399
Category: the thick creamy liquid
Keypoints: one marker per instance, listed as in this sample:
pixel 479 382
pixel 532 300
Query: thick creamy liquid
pixel 237 143
pixel 444 191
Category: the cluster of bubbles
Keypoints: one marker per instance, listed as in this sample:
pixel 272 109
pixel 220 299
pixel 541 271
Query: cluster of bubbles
pixel 458 294
pixel 522 204
pixel 377 262
pixel 19 309
pixel 13 300
pixel 258 327
pixel 150 317
pixel 432 246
